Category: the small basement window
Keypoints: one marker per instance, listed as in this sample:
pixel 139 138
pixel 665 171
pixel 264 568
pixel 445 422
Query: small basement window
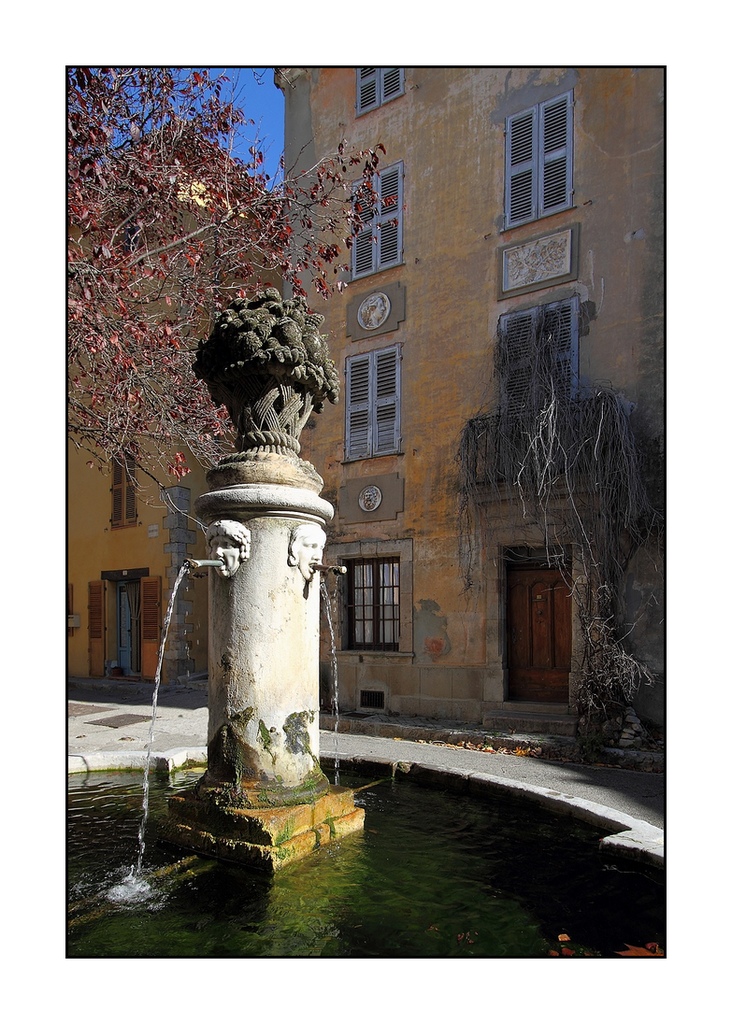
pixel 373 699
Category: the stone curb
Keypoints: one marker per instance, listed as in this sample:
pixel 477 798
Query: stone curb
pixel 631 838
pixel 136 760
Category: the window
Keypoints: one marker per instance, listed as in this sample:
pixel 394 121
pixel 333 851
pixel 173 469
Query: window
pixel 124 494
pixel 378 244
pixel 539 160
pixel 375 86
pixel 538 353
pixel 372 403
pixel 372 611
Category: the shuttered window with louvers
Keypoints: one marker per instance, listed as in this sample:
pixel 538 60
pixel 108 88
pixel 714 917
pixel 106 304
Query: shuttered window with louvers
pixel 539 160
pixel 124 493
pixel 378 243
pixel 375 86
pixel 540 356
pixel 372 404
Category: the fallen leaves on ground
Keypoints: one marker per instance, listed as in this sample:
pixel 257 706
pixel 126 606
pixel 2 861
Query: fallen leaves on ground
pixel 650 949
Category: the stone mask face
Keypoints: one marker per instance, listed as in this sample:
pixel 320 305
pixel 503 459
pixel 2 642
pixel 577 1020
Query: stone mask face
pixel 307 544
pixel 229 541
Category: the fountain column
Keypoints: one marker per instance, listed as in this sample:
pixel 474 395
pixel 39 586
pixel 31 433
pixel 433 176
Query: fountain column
pixel 264 798
pixel 264 621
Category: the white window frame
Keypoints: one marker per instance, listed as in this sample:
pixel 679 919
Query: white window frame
pixel 379 243
pixel 539 169
pixel 377 86
pixel 373 403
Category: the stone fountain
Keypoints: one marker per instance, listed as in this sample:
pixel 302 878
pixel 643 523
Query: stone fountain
pixel 264 799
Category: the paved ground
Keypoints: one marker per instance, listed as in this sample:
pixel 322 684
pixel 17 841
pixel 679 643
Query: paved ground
pixel 109 726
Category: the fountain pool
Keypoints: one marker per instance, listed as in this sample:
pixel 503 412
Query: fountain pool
pixel 432 875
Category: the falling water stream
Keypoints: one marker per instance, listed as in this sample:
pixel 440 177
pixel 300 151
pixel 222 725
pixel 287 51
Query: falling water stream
pixel 134 886
pixel 334 666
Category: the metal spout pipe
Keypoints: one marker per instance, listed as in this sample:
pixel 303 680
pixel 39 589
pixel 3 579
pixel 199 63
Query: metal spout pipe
pixel 198 563
pixel 319 567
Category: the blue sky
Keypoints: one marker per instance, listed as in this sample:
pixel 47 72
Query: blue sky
pixel 262 101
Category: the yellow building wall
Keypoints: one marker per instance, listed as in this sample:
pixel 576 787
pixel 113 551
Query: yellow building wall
pixel 94 547
pixel 448 129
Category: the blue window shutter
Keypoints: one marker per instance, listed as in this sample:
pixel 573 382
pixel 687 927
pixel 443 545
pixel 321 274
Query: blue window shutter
pixel 358 390
pixel 367 92
pixel 392 83
pixel 375 86
pixel 526 336
pixel 539 160
pixel 390 216
pixel 379 242
pixel 555 119
pixel 521 160
pixel 386 401
pixel 372 410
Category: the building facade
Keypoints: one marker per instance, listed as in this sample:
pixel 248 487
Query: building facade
pixel 126 542
pixel 509 258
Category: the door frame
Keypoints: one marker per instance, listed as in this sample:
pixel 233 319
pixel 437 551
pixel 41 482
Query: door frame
pixel 558 644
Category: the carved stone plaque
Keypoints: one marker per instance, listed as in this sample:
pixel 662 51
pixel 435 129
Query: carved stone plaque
pixel 370 498
pixel 373 311
pixel 542 259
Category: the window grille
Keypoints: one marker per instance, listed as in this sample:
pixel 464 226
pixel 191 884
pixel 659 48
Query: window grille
pixel 373 699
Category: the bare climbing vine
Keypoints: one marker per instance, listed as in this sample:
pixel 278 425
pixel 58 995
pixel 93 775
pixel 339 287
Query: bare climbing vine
pixel 572 467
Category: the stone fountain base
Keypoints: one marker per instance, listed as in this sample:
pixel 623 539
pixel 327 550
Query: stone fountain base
pixel 264 838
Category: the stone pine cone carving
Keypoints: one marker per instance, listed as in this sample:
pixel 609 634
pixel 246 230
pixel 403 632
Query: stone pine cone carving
pixel 266 361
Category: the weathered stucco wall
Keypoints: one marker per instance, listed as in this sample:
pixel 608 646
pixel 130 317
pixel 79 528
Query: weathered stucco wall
pixel 155 542
pixel 448 129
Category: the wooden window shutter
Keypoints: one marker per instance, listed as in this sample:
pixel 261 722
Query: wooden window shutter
pixel 390 216
pixel 386 401
pixel 367 93
pixel 124 493
pixel 517 330
pixel 97 627
pixel 118 498
pixel 378 243
pixel 372 411
pixel 539 160
pixel 560 329
pixel 392 83
pixel 531 337
pixel 521 154
pixel 150 597
pixel 358 434
pixel 556 154
pixel 375 86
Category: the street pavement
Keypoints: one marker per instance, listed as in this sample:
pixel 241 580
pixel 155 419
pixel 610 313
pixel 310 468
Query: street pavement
pixel 109 727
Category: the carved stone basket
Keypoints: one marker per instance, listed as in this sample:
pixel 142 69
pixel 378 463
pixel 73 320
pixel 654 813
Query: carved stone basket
pixel 266 361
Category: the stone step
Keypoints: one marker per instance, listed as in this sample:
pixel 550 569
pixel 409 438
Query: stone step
pixel 529 723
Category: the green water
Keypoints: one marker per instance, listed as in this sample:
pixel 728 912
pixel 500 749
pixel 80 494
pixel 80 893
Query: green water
pixel 432 875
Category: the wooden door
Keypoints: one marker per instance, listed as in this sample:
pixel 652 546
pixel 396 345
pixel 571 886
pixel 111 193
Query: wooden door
pixel 150 588
pixel 97 627
pixel 539 622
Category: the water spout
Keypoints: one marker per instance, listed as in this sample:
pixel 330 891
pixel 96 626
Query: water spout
pixel 319 567
pixel 136 873
pixel 199 563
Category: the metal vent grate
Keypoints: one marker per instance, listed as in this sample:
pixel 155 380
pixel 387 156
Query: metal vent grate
pixel 372 698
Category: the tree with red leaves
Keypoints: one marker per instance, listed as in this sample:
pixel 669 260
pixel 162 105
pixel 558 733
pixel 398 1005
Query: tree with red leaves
pixel 167 224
